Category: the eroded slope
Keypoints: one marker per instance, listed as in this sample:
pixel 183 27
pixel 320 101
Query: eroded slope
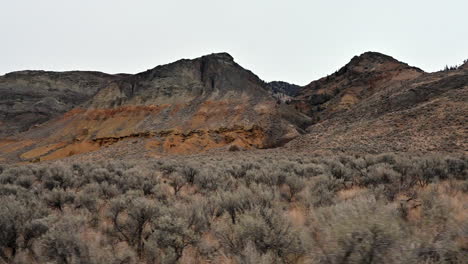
pixel 362 77
pixel 29 98
pixel 183 107
pixel 428 113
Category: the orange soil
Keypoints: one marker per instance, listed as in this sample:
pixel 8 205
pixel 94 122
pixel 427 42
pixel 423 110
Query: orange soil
pixel 212 112
pixel 108 122
pixel 173 142
pixel 12 146
pixel 127 111
pixel 88 130
pixel 6 141
pixel 202 140
pixel 37 152
pixel 72 149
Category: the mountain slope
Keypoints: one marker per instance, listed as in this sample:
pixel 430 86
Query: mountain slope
pixel 30 98
pixel 425 113
pixel 183 107
pixel 363 76
pixel 373 104
pixel 279 87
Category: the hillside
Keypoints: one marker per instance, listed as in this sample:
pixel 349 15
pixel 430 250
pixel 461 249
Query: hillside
pixel 183 107
pixel 283 91
pixel 30 98
pixel 373 104
pixel 200 161
pixel 407 111
pixel 363 76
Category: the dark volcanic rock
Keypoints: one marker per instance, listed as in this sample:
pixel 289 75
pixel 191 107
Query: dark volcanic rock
pixel 204 93
pixel 212 77
pixel 278 87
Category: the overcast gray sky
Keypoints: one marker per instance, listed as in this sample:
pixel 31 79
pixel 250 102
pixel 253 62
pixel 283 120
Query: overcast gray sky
pixel 294 40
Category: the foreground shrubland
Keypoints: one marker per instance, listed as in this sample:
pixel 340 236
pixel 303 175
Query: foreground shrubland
pixel 242 209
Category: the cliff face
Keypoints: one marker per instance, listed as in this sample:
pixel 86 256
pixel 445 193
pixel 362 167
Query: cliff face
pixel 183 107
pixel 208 92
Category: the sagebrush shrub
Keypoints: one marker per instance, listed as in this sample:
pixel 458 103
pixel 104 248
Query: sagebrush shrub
pixel 360 231
pixel 61 245
pixel 266 229
pixel 129 217
pixel 239 207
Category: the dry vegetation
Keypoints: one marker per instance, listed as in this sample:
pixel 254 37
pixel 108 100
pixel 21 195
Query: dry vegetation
pixel 245 209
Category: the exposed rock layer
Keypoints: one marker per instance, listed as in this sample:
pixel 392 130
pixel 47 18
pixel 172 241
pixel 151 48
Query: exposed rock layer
pixel 373 104
pixel 406 110
pixel 191 97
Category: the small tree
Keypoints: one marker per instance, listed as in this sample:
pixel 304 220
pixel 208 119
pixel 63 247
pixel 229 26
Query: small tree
pixel 130 216
pixel 295 185
pixel 266 229
pixel 235 202
pixel 58 198
pixel 63 246
pixel 189 173
pixel 17 217
pixel 177 182
pixel 174 231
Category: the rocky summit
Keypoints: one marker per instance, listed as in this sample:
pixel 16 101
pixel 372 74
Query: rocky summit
pixel 374 103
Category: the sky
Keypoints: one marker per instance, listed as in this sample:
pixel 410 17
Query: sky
pixel 296 41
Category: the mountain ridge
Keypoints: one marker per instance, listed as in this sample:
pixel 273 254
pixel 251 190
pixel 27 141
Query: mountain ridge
pixel 358 79
pixel 181 107
pixel 213 103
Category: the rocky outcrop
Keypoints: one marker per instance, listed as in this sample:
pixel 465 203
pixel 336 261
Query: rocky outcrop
pixel 205 93
pixel 284 88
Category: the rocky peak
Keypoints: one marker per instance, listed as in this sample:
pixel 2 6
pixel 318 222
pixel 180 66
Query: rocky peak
pixel 279 87
pixel 371 56
pixel 212 76
pixel 222 56
pixel 374 62
pixel 211 97
pixel 362 77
